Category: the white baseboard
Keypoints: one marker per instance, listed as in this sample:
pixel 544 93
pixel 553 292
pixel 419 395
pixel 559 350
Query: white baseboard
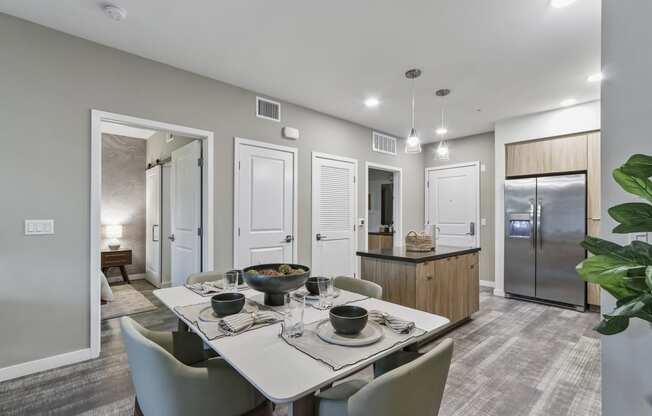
pixel 499 293
pixel 487 283
pixel 48 363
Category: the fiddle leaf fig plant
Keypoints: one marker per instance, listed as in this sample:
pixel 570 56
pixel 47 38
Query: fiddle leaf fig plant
pixel 625 272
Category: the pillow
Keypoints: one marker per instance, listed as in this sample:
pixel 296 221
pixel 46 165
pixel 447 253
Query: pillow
pixel 106 293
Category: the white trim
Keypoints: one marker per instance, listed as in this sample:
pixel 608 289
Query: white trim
pixel 487 283
pixel 398 231
pixel 321 155
pixel 476 164
pixel 236 194
pixel 258 98
pixel 44 364
pixel 208 238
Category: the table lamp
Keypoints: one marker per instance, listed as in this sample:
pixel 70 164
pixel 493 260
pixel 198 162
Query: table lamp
pixel 113 232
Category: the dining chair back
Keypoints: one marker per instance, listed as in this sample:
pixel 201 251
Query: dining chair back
pixel 166 387
pixel 362 287
pixel 414 389
pixel 204 277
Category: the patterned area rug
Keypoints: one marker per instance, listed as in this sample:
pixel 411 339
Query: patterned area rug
pixel 126 301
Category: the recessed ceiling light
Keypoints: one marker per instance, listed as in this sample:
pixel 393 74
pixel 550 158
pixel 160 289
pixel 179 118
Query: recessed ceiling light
pixel 568 102
pixel 371 102
pixel 558 4
pixel 116 13
pixel 595 77
pixel 441 131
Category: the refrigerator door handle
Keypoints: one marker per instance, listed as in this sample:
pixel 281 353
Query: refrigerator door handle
pixel 532 233
pixel 539 220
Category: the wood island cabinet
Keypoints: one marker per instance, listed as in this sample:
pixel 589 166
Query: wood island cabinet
pixel 448 286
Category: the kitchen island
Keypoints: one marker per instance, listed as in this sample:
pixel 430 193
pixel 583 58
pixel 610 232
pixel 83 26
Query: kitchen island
pixel 445 281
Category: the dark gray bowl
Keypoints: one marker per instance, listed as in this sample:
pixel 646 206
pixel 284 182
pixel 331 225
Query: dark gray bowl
pixel 227 303
pixel 275 287
pixel 348 319
pixel 312 284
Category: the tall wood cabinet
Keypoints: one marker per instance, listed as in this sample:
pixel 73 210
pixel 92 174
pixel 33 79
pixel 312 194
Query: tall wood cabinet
pixel 574 153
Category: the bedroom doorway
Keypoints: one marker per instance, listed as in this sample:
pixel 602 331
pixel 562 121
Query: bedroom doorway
pixel 151 211
pixel 383 206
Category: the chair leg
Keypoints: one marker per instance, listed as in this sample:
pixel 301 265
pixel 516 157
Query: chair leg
pixel 137 410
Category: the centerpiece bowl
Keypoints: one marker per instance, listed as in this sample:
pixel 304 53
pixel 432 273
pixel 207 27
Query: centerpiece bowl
pixel 276 279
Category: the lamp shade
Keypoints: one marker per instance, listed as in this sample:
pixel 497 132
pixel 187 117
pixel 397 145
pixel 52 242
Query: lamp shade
pixel 113 231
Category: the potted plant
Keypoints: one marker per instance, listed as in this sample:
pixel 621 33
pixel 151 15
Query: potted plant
pixel 625 272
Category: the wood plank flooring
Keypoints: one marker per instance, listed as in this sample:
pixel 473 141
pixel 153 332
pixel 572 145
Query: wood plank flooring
pixel 513 358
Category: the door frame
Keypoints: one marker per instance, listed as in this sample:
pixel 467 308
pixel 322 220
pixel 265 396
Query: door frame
pixel 398 230
pixel 476 165
pixel 208 188
pixel 321 155
pixel 237 141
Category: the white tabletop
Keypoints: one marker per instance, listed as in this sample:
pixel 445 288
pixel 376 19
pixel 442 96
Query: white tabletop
pixel 279 371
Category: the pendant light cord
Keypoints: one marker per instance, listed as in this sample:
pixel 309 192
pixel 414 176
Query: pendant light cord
pixel 412 103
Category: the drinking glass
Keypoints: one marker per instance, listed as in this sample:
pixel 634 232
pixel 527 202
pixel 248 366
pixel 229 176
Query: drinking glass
pixel 231 280
pixel 293 316
pixel 325 286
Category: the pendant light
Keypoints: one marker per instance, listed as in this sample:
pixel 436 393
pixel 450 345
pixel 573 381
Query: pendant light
pixel 443 151
pixel 412 142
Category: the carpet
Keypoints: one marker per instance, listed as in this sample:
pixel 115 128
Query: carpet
pixel 126 301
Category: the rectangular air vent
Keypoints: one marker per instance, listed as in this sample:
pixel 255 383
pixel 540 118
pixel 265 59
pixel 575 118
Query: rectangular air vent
pixel 268 109
pixel 383 143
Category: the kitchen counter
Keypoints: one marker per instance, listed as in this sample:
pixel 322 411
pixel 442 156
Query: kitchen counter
pixel 400 254
pixel 380 233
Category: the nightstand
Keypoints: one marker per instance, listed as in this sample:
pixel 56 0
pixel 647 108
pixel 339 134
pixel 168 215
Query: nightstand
pixel 116 258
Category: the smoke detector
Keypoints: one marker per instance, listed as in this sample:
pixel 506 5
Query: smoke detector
pixel 116 13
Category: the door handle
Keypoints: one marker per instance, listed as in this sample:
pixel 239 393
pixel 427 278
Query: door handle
pixel 471 228
pixel 171 237
pixel 288 238
pixel 539 221
pixel 533 235
pixel 320 237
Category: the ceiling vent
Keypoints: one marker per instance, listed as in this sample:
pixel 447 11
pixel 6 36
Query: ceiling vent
pixel 383 143
pixel 268 109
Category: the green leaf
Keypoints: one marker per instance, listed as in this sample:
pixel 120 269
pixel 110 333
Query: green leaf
pixel 639 166
pixel 633 217
pixel 633 184
pixel 634 306
pixel 612 325
pixel 648 276
pixel 636 283
pixel 599 246
pixel 642 251
pixel 609 272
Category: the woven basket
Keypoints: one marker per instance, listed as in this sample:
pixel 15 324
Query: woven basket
pixel 418 241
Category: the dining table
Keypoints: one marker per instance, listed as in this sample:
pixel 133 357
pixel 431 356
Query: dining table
pixel 281 372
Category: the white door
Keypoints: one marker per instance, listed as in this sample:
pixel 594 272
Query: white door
pixel 185 203
pixel 453 204
pixel 153 225
pixel 264 221
pixel 333 216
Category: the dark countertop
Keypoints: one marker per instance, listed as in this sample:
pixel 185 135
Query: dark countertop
pixel 400 254
pixel 380 233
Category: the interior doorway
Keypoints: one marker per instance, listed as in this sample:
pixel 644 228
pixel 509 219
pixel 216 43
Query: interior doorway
pixel 157 219
pixel 383 206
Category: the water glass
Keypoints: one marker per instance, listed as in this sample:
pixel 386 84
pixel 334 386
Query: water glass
pixel 231 280
pixel 293 317
pixel 325 286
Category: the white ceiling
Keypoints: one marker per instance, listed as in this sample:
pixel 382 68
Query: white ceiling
pixel 500 58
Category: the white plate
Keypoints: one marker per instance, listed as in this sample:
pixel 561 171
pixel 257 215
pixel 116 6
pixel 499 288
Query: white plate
pixel 304 293
pixel 208 314
pixel 371 333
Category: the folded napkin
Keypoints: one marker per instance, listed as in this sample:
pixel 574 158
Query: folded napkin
pixel 398 325
pixel 234 324
pixel 204 288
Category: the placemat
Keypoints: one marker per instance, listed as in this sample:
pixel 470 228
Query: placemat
pixel 217 285
pixel 211 330
pixel 338 356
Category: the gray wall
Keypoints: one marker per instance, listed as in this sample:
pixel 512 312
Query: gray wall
pixel 123 195
pixel 626 129
pixel 50 81
pixel 159 148
pixel 469 149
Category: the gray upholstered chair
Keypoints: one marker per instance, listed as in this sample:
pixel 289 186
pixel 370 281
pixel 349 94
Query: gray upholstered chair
pixel 167 387
pixel 414 389
pixel 363 287
pixel 204 277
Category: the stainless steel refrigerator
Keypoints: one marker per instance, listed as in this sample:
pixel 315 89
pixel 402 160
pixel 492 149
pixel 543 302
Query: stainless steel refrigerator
pixel 545 221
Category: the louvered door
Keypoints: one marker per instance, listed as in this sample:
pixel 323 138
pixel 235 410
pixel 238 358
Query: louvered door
pixel 333 216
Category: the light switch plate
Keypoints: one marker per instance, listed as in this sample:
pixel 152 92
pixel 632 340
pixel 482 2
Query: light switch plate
pixel 39 227
pixel 483 221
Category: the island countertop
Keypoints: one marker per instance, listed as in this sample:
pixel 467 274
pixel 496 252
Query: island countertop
pixel 400 254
